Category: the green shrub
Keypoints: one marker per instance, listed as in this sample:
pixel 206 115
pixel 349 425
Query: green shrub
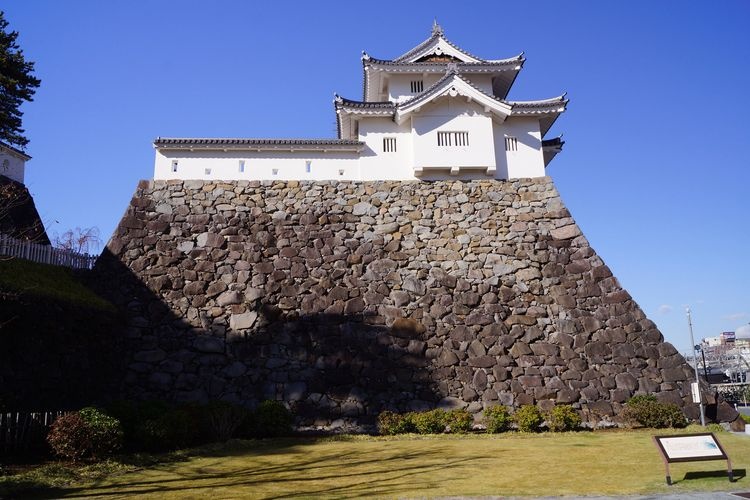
pixel 222 419
pixel 746 418
pixel 88 433
pixel 647 411
pixel 715 428
pixel 459 421
pixel 392 423
pixel 528 418
pixel 106 432
pixel 169 431
pixel 497 419
pixel 271 419
pixel 429 422
pixel 157 425
pixel 563 418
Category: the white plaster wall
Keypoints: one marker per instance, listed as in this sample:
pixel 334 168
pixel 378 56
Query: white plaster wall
pixel 484 82
pixel 14 168
pixel 453 114
pixel 378 165
pixel 399 86
pixel 258 165
pixel 528 160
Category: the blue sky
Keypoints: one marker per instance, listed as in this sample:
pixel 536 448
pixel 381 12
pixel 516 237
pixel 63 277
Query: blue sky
pixel 654 170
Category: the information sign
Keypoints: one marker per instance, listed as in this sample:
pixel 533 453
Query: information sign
pixel 690 448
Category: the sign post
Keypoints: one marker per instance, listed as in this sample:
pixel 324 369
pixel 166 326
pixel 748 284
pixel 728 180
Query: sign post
pixel 695 365
pixel 691 448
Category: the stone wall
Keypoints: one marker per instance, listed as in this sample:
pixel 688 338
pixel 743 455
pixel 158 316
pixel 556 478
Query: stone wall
pixel 345 299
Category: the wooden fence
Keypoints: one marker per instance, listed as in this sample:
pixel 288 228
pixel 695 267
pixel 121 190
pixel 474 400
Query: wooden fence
pixel 44 254
pixel 25 432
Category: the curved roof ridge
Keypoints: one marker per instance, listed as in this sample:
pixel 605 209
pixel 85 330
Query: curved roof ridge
pixel 436 36
pixel 451 74
pixel 416 49
pixel 448 75
pixel 395 62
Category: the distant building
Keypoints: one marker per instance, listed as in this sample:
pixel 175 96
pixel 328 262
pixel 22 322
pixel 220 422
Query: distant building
pixel 13 162
pixel 435 112
pixel 712 341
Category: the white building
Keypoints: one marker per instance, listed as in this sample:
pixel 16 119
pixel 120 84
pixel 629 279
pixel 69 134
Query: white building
pixel 435 112
pixel 12 162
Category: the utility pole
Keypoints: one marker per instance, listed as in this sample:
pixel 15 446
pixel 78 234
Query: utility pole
pixel 695 365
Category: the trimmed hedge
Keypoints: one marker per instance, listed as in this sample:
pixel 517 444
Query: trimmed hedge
pixel 162 426
pixel 645 410
pixel 497 419
pixel 459 421
pixel 392 423
pixel 270 419
pixel 528 418
pixel 429 422
pixel 563 418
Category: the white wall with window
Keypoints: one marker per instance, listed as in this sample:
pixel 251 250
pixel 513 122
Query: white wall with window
pixel 448 136
pixel 12 165
pixel 376 164
pixel 518 148
pixel 253 165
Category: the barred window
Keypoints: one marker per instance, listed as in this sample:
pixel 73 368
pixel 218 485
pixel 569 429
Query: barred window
pixel 389 144
pixel 417 86
pixel 449 139
pixel 511 143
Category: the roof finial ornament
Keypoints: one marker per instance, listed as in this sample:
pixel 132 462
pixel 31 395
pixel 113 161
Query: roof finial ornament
pixel 437 30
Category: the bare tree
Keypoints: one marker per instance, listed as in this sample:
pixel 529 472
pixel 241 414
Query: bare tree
pixel 79 240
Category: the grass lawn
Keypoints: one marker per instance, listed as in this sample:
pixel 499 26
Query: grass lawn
pixel 585 463
pixel 48 281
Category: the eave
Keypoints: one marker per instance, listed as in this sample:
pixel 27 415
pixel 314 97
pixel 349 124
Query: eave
pixel 348 111
pixel 7 148
pixel 246 144
pixel 547 110
pixel 550 149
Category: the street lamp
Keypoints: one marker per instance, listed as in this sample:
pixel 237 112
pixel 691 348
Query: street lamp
pixel 699 347
pixel 695 365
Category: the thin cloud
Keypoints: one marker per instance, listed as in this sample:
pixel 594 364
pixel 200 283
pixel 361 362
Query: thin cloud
pixel 664 309
pixel 736 316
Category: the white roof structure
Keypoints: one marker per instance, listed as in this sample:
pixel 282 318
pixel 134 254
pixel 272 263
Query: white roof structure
pixel 436 111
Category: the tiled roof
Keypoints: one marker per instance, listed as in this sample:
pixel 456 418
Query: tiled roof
pixel 512 61
pixel 534 105
pixel 435 36
pixel 556 142
pixel 187 142
pixel 386 105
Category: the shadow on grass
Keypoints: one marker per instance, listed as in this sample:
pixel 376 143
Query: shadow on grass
pixel 737 474
pixel 366 476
